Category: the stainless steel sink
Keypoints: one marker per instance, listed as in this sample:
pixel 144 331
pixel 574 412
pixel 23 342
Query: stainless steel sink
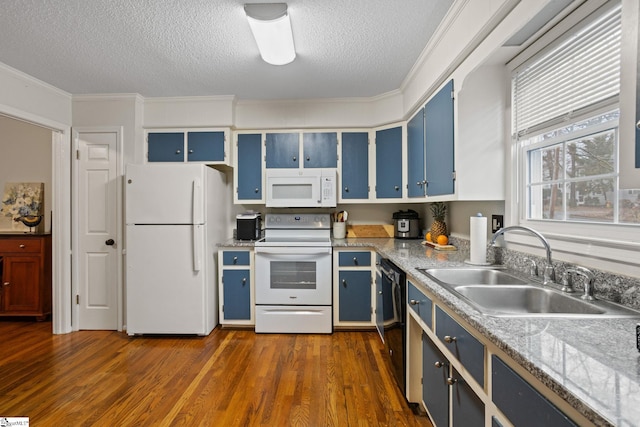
pixel 498 293
pixel 508 299
pixel 472 276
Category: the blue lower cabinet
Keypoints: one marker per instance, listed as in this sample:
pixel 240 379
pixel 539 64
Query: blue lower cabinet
pixel 435 389
pixel 354 259
pixel 236 257
pixel 523 405
pixel 464 346
pixel 466 406
pixel 354 296
pixel 237 294
pixel 420 304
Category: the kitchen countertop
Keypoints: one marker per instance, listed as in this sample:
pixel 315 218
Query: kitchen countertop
pixel 593 364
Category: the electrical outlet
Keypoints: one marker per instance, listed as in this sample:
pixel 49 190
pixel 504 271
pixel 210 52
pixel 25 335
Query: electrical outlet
pixel 496 223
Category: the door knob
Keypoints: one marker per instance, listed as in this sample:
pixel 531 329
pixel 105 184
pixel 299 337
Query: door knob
pixel 110 242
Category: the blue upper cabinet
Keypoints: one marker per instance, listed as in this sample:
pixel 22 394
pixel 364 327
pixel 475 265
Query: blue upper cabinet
pixel 209 146
pixel 205 146
pixel 439 142
pixel 282 150
pixel 165 146
pixel 389 163
pixel 416 156
pixel 320 149
pixel 355 165
pixel 249 167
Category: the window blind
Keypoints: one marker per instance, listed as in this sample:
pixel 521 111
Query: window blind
pixel 582 70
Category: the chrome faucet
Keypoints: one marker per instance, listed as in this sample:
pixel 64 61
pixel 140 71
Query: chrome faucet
pixel 533 267
pixel 588 284
pixel 549 272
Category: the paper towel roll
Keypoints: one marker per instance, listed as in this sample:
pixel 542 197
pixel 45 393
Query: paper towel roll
pixel 478 239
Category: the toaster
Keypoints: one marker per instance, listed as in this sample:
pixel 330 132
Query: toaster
pixel 248 226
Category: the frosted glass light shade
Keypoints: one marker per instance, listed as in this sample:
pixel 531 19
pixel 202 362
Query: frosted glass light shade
pixel 271 28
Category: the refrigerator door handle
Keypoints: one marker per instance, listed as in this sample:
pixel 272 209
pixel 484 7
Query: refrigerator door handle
pixel 197 244
pixel 197 202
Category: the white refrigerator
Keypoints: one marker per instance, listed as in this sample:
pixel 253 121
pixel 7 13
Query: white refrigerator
pixel 175 216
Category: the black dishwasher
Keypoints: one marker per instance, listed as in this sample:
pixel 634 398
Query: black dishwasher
pixel 394 302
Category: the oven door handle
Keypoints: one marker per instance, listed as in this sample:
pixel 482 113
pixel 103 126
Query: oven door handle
pixel 281 250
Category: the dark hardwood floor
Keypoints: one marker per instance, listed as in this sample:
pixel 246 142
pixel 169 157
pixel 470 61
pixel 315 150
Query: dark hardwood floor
pixel 230 378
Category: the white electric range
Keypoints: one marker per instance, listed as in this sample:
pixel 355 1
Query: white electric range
pixel 293 274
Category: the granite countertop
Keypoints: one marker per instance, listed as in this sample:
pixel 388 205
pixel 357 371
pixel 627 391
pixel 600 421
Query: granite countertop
pixel 593 364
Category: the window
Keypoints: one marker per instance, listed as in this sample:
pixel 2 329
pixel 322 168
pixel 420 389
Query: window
pixel 565 126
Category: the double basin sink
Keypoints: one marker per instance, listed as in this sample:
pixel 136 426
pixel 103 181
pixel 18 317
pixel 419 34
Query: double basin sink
pixel 496 292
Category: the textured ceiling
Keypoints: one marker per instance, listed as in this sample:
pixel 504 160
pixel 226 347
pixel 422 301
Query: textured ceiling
pixel 345 48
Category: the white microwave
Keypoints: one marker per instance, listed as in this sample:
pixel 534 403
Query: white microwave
pixel 301 188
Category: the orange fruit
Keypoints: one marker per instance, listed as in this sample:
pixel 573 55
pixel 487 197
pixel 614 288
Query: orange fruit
pixel 442 239
pixel 428 237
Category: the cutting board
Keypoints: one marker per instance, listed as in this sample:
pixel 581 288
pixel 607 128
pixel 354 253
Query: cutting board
pixel 438 247
pixel 370 230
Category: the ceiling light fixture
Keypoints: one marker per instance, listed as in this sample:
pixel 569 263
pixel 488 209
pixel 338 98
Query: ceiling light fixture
pixel 271 28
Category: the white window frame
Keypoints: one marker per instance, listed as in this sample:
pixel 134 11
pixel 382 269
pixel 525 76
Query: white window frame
pixel 611 247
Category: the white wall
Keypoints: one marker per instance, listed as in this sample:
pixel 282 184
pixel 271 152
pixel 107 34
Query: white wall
pixel 21 94
pixel 26 157
pixel 113 110
pixel 29 99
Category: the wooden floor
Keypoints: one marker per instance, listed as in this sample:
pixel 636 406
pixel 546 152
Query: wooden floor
pixel 230 378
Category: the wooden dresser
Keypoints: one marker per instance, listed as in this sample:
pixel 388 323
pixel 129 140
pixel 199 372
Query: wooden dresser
pixel 25 269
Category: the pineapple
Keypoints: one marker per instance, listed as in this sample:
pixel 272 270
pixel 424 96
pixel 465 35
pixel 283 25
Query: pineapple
pixel 438 227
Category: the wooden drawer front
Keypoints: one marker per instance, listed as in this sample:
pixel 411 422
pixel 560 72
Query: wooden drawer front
pixel 467 349
pixel 235 257
pixel 20 245
pixel 420 304
pixel 520 402
pixel 354 259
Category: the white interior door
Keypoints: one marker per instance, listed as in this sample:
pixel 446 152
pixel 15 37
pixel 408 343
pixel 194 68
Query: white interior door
pixel 97 255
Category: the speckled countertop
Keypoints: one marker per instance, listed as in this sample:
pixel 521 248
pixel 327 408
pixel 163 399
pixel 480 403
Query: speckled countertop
pixel 593 364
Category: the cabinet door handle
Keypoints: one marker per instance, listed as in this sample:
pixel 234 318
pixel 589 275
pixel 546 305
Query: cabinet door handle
pixel 235 259
pixel 308 158
pixel 396 188
pixel 344 282
pixel 22 246
pixel 190 151
pixel 6 284
pixel 294 158
pixel 244 281
pixel 346 189
pixel 451 381
pixel 439 364
pixel 379 292
pixel 256 190
pixel 449 339
pixel 355 260
pixel 414 302
pixel 178 151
